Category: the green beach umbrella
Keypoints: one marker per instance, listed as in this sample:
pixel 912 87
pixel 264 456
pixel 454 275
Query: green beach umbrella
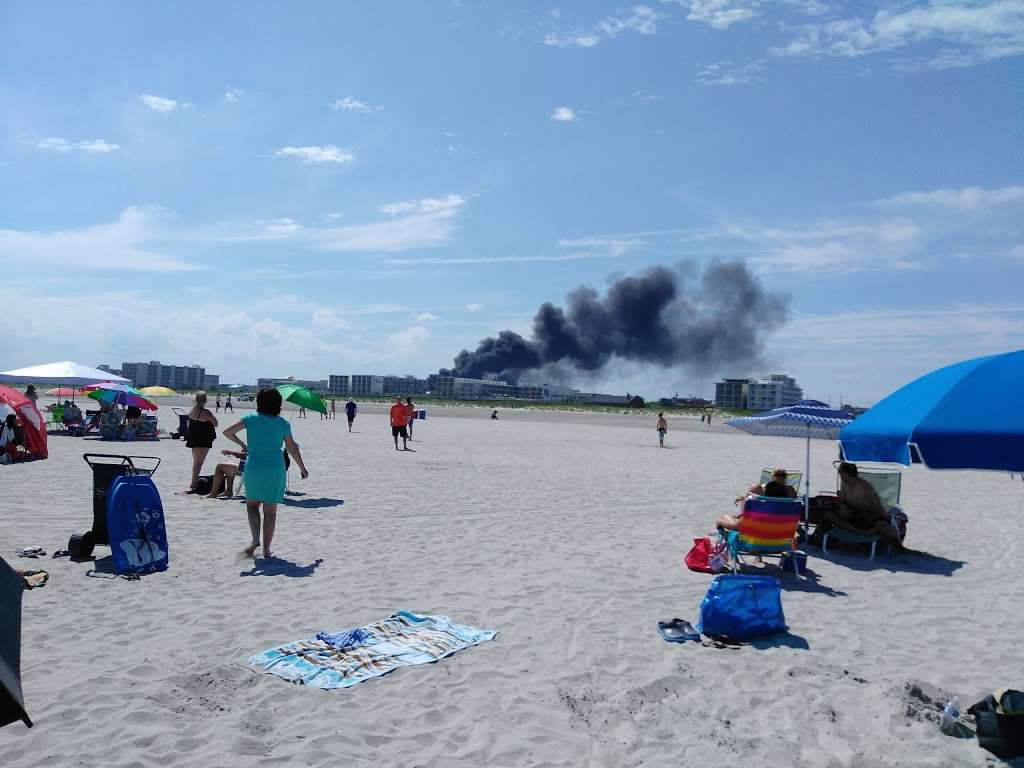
pixel 302 397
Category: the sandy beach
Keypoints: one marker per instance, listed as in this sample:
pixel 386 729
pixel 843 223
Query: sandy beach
pixel 565 533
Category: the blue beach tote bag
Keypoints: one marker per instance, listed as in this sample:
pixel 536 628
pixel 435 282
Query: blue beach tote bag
pixel 742 607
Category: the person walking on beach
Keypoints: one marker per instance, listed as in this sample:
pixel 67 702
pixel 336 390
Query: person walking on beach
pixel 31 394
pixel 228 406
pixel 662 428
pixel 709 421
pixel 399 419
pixel 265 476
pixel 411 411
pixel 201 434
pixel 334 409
pixel 216 407
pixel 350 412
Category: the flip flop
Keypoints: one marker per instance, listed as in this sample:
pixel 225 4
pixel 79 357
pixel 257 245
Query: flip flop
pixel 687 630
pixel 673 633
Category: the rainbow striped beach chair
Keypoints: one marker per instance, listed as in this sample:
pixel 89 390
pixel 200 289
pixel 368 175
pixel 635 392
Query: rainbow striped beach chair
pixel 767 527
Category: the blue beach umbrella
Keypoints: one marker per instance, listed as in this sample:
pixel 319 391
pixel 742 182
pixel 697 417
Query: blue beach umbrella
pixel 806 419
pixel 963 416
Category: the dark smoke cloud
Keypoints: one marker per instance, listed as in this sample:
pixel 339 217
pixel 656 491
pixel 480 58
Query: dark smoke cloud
pixel 701 321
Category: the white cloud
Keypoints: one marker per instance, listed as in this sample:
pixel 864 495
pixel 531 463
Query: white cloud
pixel 563 115
pixel 728 73
pixel 1017 251
pixel 641 19
pixel 474 307
pixel 969 33
pixel 409 343
pixel 120 245
pixel 423 205
pixel 315 154
pixel 964 199
pixel 333 216
pixel 424 317
pixel 232 94
pixel 414 224
pixel 721 14
pixel 355 105
pixel 574 40
pixel 612 247
pixel 64 146
pixel 283 225
pixel 163 104
pixel 835 246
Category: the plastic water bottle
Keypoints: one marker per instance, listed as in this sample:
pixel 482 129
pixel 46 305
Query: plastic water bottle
pixel 950 715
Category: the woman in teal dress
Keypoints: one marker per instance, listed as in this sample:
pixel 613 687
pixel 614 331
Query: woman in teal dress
pixel 264 467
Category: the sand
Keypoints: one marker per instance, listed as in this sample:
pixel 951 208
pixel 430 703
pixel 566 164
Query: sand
pixel 564 532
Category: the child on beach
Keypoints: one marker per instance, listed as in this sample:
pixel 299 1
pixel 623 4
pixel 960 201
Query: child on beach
pixel 409 408
pixel 350 412
pixel 662 428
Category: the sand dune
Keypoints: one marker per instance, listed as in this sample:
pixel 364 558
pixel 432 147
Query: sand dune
pixel 565 532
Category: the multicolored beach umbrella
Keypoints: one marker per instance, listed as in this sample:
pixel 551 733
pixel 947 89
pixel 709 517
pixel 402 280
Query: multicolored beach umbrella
pixel 111 393
pixel 302 397
pixel 806 419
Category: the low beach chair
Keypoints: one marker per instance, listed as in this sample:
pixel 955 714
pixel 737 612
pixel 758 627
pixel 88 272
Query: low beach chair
pixel 888 484
pixel 768 526
pixel 57 417
pixel 793 478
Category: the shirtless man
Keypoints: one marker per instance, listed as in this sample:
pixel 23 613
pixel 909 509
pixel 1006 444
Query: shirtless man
pixel 860 510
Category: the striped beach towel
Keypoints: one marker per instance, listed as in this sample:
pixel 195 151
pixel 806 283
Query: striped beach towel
pixel 404 638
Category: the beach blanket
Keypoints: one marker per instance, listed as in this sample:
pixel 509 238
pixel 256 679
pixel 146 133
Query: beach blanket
pixel 404 638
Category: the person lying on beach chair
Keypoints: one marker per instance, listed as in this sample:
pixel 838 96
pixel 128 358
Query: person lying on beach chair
pixel 860 509
pixel 774 489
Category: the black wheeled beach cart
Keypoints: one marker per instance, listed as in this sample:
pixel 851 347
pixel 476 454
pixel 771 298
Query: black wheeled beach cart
pixel 105 467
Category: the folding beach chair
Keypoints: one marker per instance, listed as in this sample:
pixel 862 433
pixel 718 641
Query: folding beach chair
pixel 888 485
pixel 768 526
pixel 57 417
pixel 793 478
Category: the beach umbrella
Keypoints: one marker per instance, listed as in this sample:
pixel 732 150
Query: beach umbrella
pixel 158 392
pixel 12 703
pixel 66 372
pixel 110 393
pixel 807 419
pixel 65 392
pixel 302 397
pixel 962 416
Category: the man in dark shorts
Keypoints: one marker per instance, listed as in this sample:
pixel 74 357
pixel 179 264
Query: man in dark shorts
pixel 399 420
pixel 350 412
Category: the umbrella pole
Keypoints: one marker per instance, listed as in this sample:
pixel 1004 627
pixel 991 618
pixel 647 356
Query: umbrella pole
pixel 807 485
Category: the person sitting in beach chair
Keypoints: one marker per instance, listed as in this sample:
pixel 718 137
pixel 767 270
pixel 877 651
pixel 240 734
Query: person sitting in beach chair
pixel 767 526
pixel 110 423
pixel 11 436
pixel 790 481
pixel 224 474
pixel 774 490
pixel 860 512
pixel 72 419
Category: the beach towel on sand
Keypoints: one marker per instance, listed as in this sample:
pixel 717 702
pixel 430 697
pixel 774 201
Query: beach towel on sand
pixel 401 639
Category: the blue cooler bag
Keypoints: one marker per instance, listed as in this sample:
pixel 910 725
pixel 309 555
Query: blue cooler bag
pixel 742 607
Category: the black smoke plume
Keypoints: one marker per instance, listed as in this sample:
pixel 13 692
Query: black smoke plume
pixel 702 321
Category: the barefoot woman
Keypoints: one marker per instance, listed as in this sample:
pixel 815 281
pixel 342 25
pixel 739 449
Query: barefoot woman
pixel 264 468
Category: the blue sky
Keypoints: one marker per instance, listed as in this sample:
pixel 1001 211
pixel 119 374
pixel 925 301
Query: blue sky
pixel 311 188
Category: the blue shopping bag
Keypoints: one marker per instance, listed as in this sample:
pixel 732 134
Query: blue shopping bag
pixel 742 607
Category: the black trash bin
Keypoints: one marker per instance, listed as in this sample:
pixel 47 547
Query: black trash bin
pixel 105 467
